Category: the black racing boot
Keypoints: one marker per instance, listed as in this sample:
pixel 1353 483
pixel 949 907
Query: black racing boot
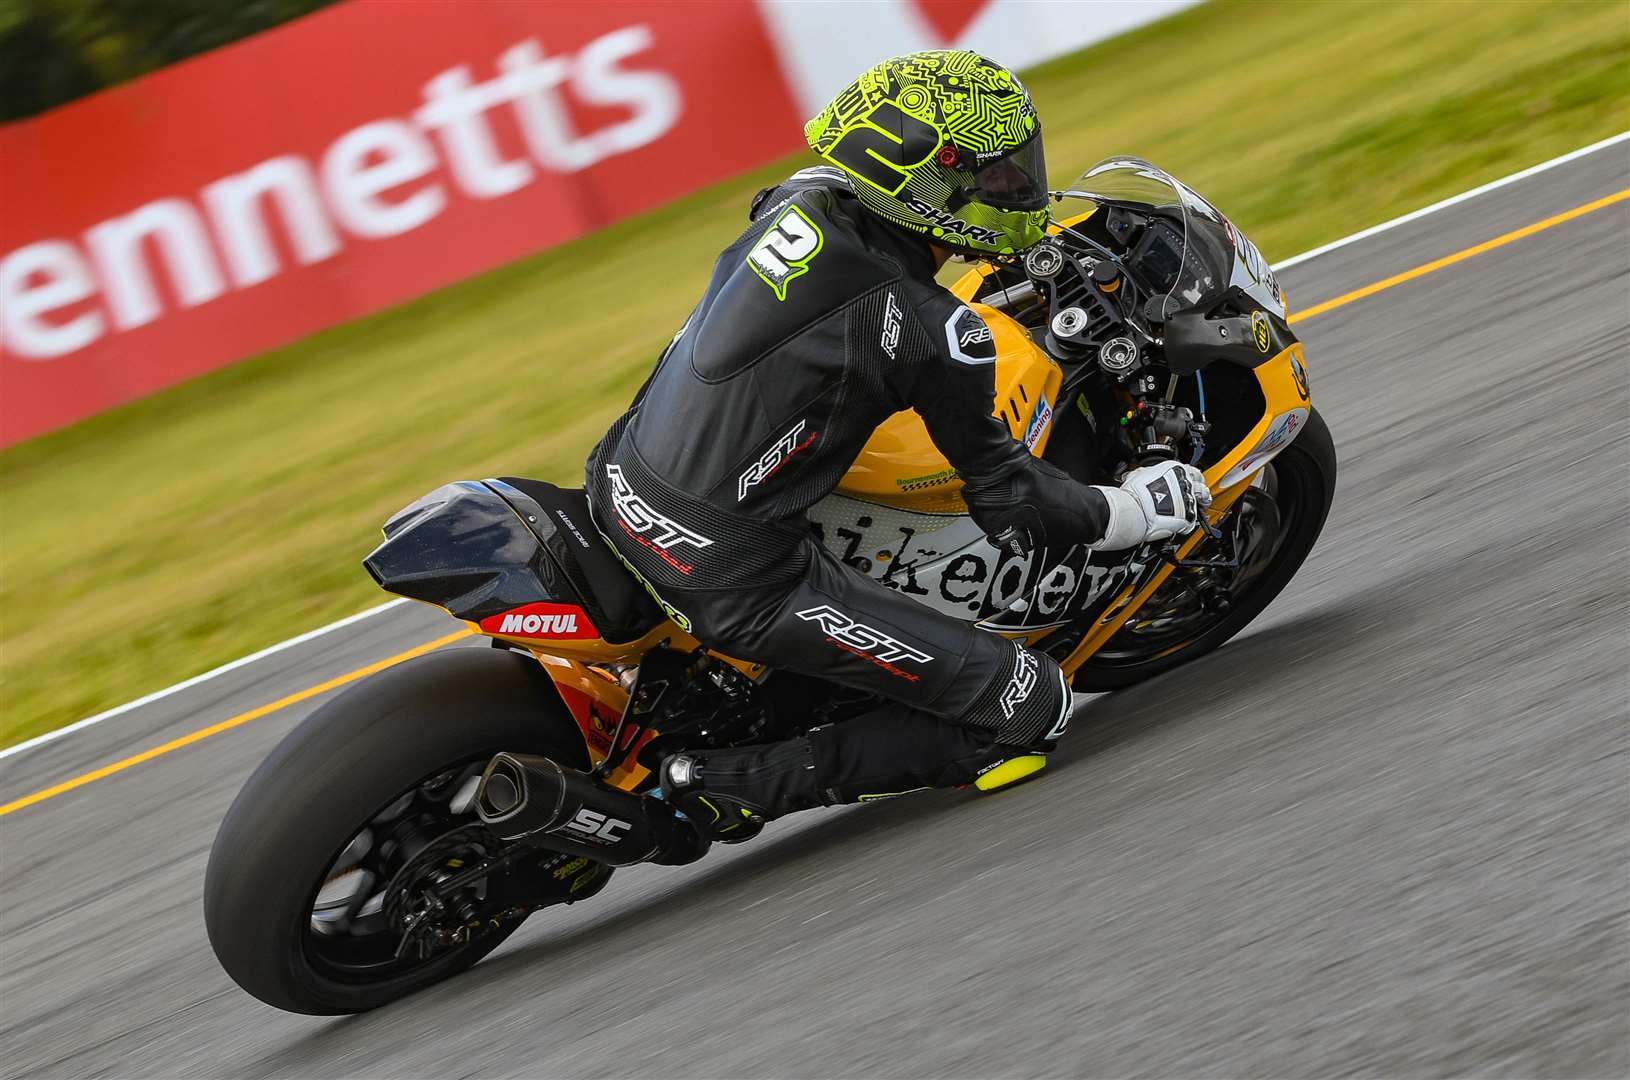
pixel 730 794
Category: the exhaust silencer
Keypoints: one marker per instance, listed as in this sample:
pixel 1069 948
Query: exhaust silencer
pixel 533 799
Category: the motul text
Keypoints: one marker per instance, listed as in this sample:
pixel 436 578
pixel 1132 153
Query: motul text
pixel 542 620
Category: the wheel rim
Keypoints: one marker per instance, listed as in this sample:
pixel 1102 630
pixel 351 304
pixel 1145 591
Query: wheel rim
pixel 352 933
pixel 1276 509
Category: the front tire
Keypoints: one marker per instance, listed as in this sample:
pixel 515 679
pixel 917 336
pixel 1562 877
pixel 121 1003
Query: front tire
pixel 1304 476
pixel 332 776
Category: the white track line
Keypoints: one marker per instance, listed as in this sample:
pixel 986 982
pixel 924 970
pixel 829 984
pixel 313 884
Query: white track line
pixel 1452 200
pixel 244 661
pixel 40 740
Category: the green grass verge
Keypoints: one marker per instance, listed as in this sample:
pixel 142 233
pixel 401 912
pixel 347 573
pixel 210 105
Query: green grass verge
pixel 166 537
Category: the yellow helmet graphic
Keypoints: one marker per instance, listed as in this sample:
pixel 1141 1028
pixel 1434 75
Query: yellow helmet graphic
pixel 945 143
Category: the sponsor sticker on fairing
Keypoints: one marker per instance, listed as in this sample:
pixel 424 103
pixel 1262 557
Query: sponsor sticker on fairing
pixel 1277 437
pixel 542 620
pixel 933 479
pixel 1039 419
pixel 1261 332
pixel 946 562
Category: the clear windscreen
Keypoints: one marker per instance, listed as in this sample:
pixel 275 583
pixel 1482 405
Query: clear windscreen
pixel 1173 241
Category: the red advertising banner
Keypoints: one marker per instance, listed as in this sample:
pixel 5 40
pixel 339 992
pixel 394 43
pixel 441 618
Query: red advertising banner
pixel 379 149
pixel 345 162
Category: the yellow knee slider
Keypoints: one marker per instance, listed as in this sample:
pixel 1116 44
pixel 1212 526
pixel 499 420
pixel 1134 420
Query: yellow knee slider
pixel 1010 771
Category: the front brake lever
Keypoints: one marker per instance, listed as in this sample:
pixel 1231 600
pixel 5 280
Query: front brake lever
pixel 1169 553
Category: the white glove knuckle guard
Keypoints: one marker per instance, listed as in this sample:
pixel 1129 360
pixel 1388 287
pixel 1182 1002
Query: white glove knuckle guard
pixel 1169 497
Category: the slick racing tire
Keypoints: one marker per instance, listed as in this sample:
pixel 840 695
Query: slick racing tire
pixel 332 779
pixel 1173 626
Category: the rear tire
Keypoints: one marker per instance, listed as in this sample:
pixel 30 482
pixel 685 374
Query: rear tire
pixel 1306 470
pixel 331 776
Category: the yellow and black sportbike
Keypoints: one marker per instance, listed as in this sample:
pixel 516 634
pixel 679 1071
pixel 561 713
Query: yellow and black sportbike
pixel 409 825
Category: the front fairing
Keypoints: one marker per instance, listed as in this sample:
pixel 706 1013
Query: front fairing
pixel 1186 250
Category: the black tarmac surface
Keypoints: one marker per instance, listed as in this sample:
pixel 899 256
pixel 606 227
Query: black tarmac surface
pixel 1387 831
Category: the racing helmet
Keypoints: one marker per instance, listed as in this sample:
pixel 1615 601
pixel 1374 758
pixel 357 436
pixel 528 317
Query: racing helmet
pixel 945 143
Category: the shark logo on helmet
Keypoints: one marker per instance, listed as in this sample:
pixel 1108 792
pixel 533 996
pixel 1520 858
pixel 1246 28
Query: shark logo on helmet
pixel 948 223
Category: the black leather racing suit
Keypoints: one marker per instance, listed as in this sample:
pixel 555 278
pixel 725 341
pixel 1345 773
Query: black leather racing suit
pixel 818 323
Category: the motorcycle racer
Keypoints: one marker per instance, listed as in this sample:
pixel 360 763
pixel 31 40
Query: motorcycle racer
pixel 821 320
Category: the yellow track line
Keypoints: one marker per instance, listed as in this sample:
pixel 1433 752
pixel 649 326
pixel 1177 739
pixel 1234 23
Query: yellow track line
pixel 227 725
pixel 1460 256
pixel 341 680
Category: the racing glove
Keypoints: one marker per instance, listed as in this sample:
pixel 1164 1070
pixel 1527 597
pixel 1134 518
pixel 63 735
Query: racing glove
pixel 1156 502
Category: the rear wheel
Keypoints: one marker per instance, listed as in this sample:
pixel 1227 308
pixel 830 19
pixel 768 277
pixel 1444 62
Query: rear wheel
pixel 1272 527
pixel 334 882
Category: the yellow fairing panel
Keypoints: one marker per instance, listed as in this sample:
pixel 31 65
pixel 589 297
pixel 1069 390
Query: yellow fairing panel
pixel 965 286
pixel 900 465
pixel 1284 388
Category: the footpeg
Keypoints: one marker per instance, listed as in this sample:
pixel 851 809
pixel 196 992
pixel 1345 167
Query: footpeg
pixel 723 817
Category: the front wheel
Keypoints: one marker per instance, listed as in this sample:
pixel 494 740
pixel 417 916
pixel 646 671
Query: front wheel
pixel 1272 528
pixel 347 872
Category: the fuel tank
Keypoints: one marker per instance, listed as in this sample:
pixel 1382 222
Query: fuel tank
pixel 899 465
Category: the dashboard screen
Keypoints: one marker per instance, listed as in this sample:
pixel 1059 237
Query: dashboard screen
pixel 1165 266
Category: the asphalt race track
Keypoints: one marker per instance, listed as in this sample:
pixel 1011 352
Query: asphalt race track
pixel 1387 831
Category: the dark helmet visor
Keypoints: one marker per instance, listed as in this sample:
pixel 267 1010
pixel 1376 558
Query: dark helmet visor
pixel 1016 181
